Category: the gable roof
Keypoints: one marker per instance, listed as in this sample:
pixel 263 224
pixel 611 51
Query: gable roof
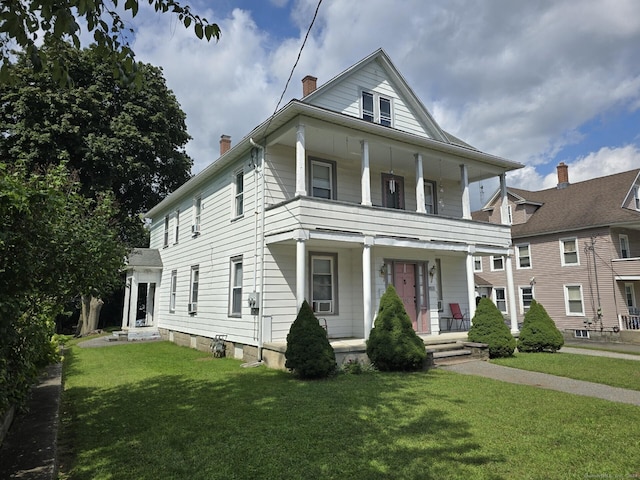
pixel 592 203
pixel 399 83
pixel 144 257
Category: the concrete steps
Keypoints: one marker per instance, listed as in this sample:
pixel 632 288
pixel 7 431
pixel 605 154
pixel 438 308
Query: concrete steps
pixel 453 351
pixel 136 334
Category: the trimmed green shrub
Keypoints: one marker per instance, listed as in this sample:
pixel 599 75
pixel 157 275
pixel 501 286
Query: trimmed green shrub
pixel 539 333
pixel 488 327
pixel 309 353
pixel 393 345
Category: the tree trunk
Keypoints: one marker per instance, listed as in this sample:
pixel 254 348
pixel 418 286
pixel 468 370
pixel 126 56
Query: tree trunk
pixel 90 314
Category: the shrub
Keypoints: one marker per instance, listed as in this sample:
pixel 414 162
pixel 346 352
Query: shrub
pixel 309 353
pixel 393 344
pixel 539 332
pixel 488 327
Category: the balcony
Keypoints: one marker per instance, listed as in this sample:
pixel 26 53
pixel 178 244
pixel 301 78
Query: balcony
pixel 626 268
pixel 320 215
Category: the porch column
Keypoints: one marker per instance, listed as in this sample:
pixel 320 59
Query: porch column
pixel 301 263
pixel 133 301
pixel 127 302
pixel 504 216
pixel 471 284
pixel 366 286
pixel 365 176
pixel 149 314
pixel 464 187
pixel 511 292
pixel 419 184
pixel 301 188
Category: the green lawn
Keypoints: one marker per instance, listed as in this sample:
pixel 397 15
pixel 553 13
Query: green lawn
pixel 609 371
pixel 159 411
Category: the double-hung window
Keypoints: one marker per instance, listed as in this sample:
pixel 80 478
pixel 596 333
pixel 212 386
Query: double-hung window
pixel 173 290
pixel 477 264
pixel 176 227
pixel 197 214
pixel 624 247
pixel 497 264
pixel 524 256
pixel 526 296
pixel 636 197
pixel 569 251
pixel 630 296
pixel 573 300
pixel 430 196
pixel 235 287
pixel 166 231
pixel 323 283
pixel 238 193
pixel 500 297
pixel 193 291
pixel 323 179
pixel 377 109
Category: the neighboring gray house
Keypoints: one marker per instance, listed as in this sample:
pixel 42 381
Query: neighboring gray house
pixel 336 196
pixel 576 251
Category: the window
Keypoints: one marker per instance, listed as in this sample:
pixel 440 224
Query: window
pixel 573 300
pixel 477 264
pixel 238 189
pixel 392 191
pixel 323 283
pixel 377 109
pixel 235 288
pixel 636 197
pixel 177 227
pixel 172 294
pixel 509 215
pixel 581 333
pixel 430 196
pixel 197 210
pixel 323 179
pixel 629 295
pixel 524 256
pixel 569 250
pixel 497 263
pixel 166 231
pixel 526 295
pixel 193 292
pixel 500 298
pixel 624 247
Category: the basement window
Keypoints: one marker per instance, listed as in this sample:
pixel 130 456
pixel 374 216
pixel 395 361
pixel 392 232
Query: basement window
pixel 581 333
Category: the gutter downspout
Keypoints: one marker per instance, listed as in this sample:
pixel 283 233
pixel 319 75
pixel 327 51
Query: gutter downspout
pixel 262 214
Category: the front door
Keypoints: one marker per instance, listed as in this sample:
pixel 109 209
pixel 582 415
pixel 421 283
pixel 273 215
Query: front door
pixel 405 285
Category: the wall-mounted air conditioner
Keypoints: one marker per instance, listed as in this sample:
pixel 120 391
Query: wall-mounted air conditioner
pixel 195 229
pixel 193 307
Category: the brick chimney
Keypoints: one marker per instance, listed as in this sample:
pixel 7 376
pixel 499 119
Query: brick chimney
pixel 563 175
pixel 308 85
pixel 225 144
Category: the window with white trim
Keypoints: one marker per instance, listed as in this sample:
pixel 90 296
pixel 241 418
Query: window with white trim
pixel 323 283
pixel 430 196
pixel 497 264
pixel 166 231
pixel 173 290
pixel 235 287
pixel 636 197
pixel 197 215
pixel 193 289
pixel 629 295
pixel 500 298
pixel 176 227
pixel 477 264
pixel 574 303
pixel 238 193
pixel 323 179
pixel 569 251
pixel 624 246
pixel 509 215
pixel 526 296
pixel 523 253
pixel 376 109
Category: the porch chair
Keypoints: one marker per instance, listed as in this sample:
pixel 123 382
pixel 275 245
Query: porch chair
pixel 457 316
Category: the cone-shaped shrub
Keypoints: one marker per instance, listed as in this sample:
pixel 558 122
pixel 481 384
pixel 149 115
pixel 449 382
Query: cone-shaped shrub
pixel 393 344
pixel 539 333
pixel 488 327
pixel 309 353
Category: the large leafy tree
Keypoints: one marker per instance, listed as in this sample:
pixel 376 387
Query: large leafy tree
pixel 24 23
pixel 126 140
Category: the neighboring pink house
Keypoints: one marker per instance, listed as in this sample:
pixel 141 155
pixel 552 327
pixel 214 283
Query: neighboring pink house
pixel 576 250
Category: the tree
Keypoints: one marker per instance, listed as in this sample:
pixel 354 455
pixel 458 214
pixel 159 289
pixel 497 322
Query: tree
pixel 539 333
pixel 58 21
pixel 488 327
pixel 392 343
pixel 309 353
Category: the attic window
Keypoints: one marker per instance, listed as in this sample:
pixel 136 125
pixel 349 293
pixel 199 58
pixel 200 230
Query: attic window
pixel 376 109
pixel 636 195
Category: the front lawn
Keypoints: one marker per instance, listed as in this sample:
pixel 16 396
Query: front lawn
pixel 609 371
pixel 158 411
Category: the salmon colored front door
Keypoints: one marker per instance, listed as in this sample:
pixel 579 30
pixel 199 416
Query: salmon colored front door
pixel 405 285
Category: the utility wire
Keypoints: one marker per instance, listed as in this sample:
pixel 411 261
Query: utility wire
pixel 315 15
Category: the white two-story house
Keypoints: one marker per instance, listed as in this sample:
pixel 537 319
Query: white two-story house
pixel 339 194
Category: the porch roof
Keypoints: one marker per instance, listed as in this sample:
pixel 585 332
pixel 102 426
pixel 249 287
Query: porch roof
pixel 144 257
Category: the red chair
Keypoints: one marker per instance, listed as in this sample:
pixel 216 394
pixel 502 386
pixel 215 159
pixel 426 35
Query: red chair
pixel 458 316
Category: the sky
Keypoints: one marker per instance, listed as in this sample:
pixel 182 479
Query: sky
pixel 537 82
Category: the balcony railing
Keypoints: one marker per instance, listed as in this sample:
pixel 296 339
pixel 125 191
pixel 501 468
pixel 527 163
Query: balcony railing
pixel 310 213
pixel 630 322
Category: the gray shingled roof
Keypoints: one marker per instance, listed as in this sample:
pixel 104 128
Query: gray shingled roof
pixel 144 257
pixel 595 202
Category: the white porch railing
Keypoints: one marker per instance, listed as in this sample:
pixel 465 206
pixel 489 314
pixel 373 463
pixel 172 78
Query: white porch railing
pixel 630 322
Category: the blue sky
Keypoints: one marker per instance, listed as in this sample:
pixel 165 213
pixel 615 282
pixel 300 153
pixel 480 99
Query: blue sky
pixel 535 82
